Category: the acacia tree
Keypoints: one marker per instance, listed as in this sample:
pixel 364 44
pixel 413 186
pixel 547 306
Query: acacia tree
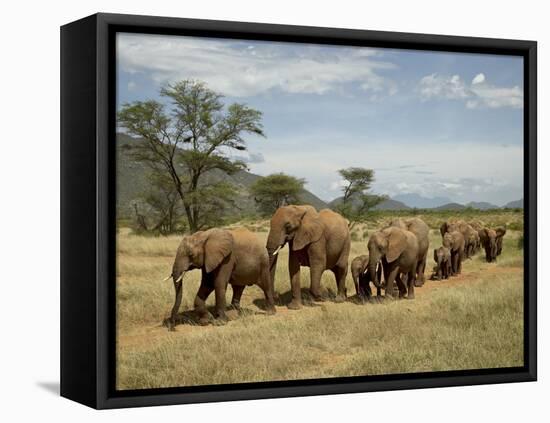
pixel 189 137
pixel 276 190
pixel 162 198
pixel 356 201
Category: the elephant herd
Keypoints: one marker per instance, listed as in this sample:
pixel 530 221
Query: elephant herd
pixel 396 258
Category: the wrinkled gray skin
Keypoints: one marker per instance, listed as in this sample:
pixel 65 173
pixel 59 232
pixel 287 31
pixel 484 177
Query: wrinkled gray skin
pixel 361 277
pixel 422 232
pixel 397 250
pixel 318 240
pixel 223 256
pixel 467 231
pixel 454 241
pixel 442 258
pixel 491 239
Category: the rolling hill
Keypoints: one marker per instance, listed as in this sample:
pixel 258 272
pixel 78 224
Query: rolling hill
pixel 450 206
pixel 518 204
pixel 481 205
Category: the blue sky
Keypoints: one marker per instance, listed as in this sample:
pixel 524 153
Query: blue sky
pixel 430 123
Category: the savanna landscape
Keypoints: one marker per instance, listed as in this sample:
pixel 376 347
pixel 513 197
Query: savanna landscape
pixel 269 166
pixel 471 321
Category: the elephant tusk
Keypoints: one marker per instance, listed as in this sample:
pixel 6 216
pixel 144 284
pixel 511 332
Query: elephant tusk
pixel 178 280
pixel 167 278
pixel 276 250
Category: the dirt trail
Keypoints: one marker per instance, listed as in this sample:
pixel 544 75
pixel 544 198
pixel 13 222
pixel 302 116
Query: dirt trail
pixel 148 335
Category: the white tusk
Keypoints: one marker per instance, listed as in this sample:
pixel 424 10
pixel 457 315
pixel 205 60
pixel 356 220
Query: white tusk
pixel 167 278
pixel 178 280
pixel 277 250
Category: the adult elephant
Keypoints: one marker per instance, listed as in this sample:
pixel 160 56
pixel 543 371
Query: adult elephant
pixel 467 231
pixel 454 241
pixel 223 256
pixel 397 250
pixel 318 240
pixel 491 239
pixel 422 232
pixel 361 277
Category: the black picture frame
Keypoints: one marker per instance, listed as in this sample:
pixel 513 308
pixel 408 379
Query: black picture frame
pixel 88 197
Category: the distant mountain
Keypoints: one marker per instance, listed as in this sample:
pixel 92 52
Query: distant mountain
pixel 417 201
pixel 388 204
pixel 450 206
pixel 518 204
pixel 481 205
pixel 132 182
pixel 391 204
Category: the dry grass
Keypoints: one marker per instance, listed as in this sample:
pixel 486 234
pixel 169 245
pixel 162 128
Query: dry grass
pixel 456 324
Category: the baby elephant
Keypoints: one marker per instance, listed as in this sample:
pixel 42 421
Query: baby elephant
pixel 223 256
pixel 442 258
pixel 361 277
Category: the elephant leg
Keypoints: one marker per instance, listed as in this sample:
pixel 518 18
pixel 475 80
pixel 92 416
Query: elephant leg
pixel 267 287
pixel 401 285
pixel 316 271
pixel 220 287
pixel 340 274
pixel 453 263
pixel 459 262
pixel 410 286
pixel 421 268
pixel 237 293
pixel 176 307
pixel 390 278
pixel 294 271
pixel 200 301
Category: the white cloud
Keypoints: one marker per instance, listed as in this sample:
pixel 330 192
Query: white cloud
pixel 451 87
pixel 240 69
pixel 478 79
pixel 131 86
pixel 470 170
pixel 479 94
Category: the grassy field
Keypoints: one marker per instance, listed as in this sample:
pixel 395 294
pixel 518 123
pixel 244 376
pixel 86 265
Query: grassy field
pixel 471 321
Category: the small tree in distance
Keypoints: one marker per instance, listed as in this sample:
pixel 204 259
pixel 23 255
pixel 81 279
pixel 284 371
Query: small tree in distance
pixel 356 201
pixel 276 190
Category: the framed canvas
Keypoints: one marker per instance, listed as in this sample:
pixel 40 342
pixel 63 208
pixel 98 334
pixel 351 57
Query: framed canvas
pixel 258 211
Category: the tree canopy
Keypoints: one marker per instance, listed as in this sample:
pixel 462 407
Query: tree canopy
pixel 276 190
pixel 356 201
pixel 188 137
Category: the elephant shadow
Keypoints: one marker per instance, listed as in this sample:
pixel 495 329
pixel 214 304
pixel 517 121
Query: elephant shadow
pixel 191 317
pixel 283 299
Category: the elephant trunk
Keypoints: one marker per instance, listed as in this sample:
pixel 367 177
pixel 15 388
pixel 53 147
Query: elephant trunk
pixel 374 262
pixel 274 243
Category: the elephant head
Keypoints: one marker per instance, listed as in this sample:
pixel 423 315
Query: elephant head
pixel 386 244
pixel 297 225
pixel 202 250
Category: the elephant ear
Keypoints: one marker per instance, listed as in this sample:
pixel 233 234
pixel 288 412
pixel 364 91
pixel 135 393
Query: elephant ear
pixel 500 231
pixel 218 246
pixel 310 230
pixel 397 242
